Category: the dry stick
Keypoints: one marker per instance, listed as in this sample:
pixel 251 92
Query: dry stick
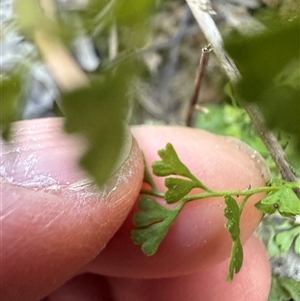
pixel 202 11
pixel 113 42
pixel 49 8
pixel 64 68
pixel 68 75
pixel 199 76
pixel 272 145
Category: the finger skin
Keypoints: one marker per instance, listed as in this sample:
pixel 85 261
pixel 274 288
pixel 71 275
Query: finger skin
pixel 86 287
pixel 198 237
pixel 53 225
pixel 252 283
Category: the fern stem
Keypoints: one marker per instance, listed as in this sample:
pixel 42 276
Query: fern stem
pixel 222 193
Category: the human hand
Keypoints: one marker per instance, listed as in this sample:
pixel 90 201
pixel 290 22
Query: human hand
pixel 54 231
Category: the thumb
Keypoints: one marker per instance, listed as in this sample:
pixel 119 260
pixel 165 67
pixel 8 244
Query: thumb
pixel 198 238
pixel 54 223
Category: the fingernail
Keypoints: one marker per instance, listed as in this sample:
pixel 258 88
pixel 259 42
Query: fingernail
pixel 254 155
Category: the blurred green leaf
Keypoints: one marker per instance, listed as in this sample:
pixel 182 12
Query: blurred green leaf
pixel 132 14
pixel 290 75
pixel 9 102
pixel 297 244
pixel 229 91
pixel 152 224
pixel 261 59
pixel 292 286
pixel 292 153
pixel 278 293
pixel 120 11
pixel 131 19
pixel 282 237
pixel 98 113
pixel 273 248
pixel 284 289
pixel 29 15
pixel 285 239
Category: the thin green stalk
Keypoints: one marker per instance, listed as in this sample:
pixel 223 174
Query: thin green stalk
pixel 153 193
pixel 244 201
pixel 222 193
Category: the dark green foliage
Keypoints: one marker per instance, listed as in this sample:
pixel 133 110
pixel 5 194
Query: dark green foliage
pixel 285 239
pixel 98 113
pixel 10 106
pixel 263 60
pixel 131 20
pixel 292 152
pixel 284 289
pixel 120 11
pixel 29 16
pixel 132 14
pixel 273 248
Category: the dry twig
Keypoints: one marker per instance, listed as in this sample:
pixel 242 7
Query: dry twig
pixel 199 76
pixel 64 68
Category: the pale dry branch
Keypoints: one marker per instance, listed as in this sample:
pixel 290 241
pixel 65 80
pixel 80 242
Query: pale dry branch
pixel 67 73
pixel 113 42
pixel 64 68
pixel 202 12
